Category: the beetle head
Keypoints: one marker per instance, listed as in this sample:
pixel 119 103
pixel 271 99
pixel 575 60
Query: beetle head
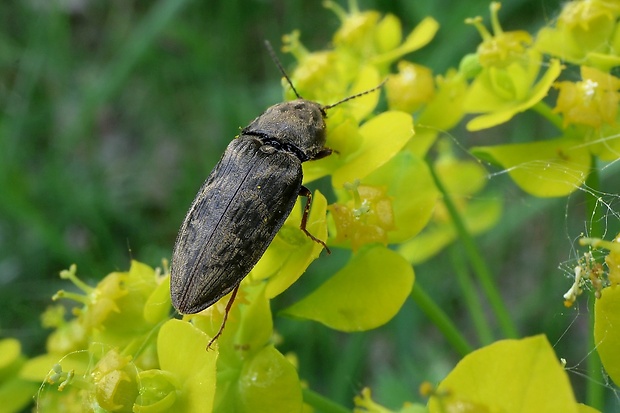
pixel 298 123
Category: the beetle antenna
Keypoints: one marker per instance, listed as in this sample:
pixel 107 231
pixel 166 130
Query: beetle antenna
pixel 355 96
pixel 277 62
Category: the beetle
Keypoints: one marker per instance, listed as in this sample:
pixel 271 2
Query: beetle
pixel 245 201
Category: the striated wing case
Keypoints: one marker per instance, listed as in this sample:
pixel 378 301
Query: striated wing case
pixel 233 219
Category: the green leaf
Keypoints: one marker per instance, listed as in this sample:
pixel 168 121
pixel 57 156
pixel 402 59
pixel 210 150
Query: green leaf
pixel 461 178
pixel 582 408
pixel 445 110
pixel 382 137
pixel 422 141
pixel 559 43
pixel 388 34
pixel 365 404
pixel 268 383
pixel 607 330
pixel 16 394
pixel 419 37
pixel 342 137
pixel 256 327
pixel 507 376
pixel 158 392
pixel 479 215
pixel 480 98
pixel 413 193
pixel 360 150
pixel 364 295
pixel 158 304
pixel 549 168
pixel 37 368
pixel 181 348
pixel 367 78
pixel 10 357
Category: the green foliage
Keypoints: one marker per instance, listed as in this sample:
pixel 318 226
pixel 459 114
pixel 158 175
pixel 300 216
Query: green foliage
pixel 396 193
pixel 528 368
pixel 357 298
pixel 15 391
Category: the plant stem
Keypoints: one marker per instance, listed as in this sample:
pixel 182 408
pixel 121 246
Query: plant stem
pixel 594 390
pixel 322 403
pixel 485 336
pixel 348 366
pixel 480 268
pixel 543 109
pixel 441 320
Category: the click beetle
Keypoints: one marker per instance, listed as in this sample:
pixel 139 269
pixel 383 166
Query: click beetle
pixel 245 201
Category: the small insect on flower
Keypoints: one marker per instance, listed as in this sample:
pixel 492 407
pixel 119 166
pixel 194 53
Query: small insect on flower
pixel 245 201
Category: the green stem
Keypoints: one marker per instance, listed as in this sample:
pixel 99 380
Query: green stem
pixel 485 336
pixel 322 403
pixel 593 183
pixel 441 320
pixel 480 268
pixel 544 110
pixel 348 366
pixel 594 390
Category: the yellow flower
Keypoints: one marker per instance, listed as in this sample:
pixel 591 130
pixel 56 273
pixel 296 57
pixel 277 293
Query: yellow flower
pixel 370 38
pixel 364 219
pixel 115 382
pixel 509 68
pixel 357 29
pixel 586 33
pixel 412 87
pixel 500 49
pixel 591 101
pixel 365 42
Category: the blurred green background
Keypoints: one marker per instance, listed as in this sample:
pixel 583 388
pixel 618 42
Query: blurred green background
pixel 114 112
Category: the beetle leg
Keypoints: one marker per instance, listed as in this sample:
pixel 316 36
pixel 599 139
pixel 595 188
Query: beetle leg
pixel 322 154
pixel 226 311
pixel 303 191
